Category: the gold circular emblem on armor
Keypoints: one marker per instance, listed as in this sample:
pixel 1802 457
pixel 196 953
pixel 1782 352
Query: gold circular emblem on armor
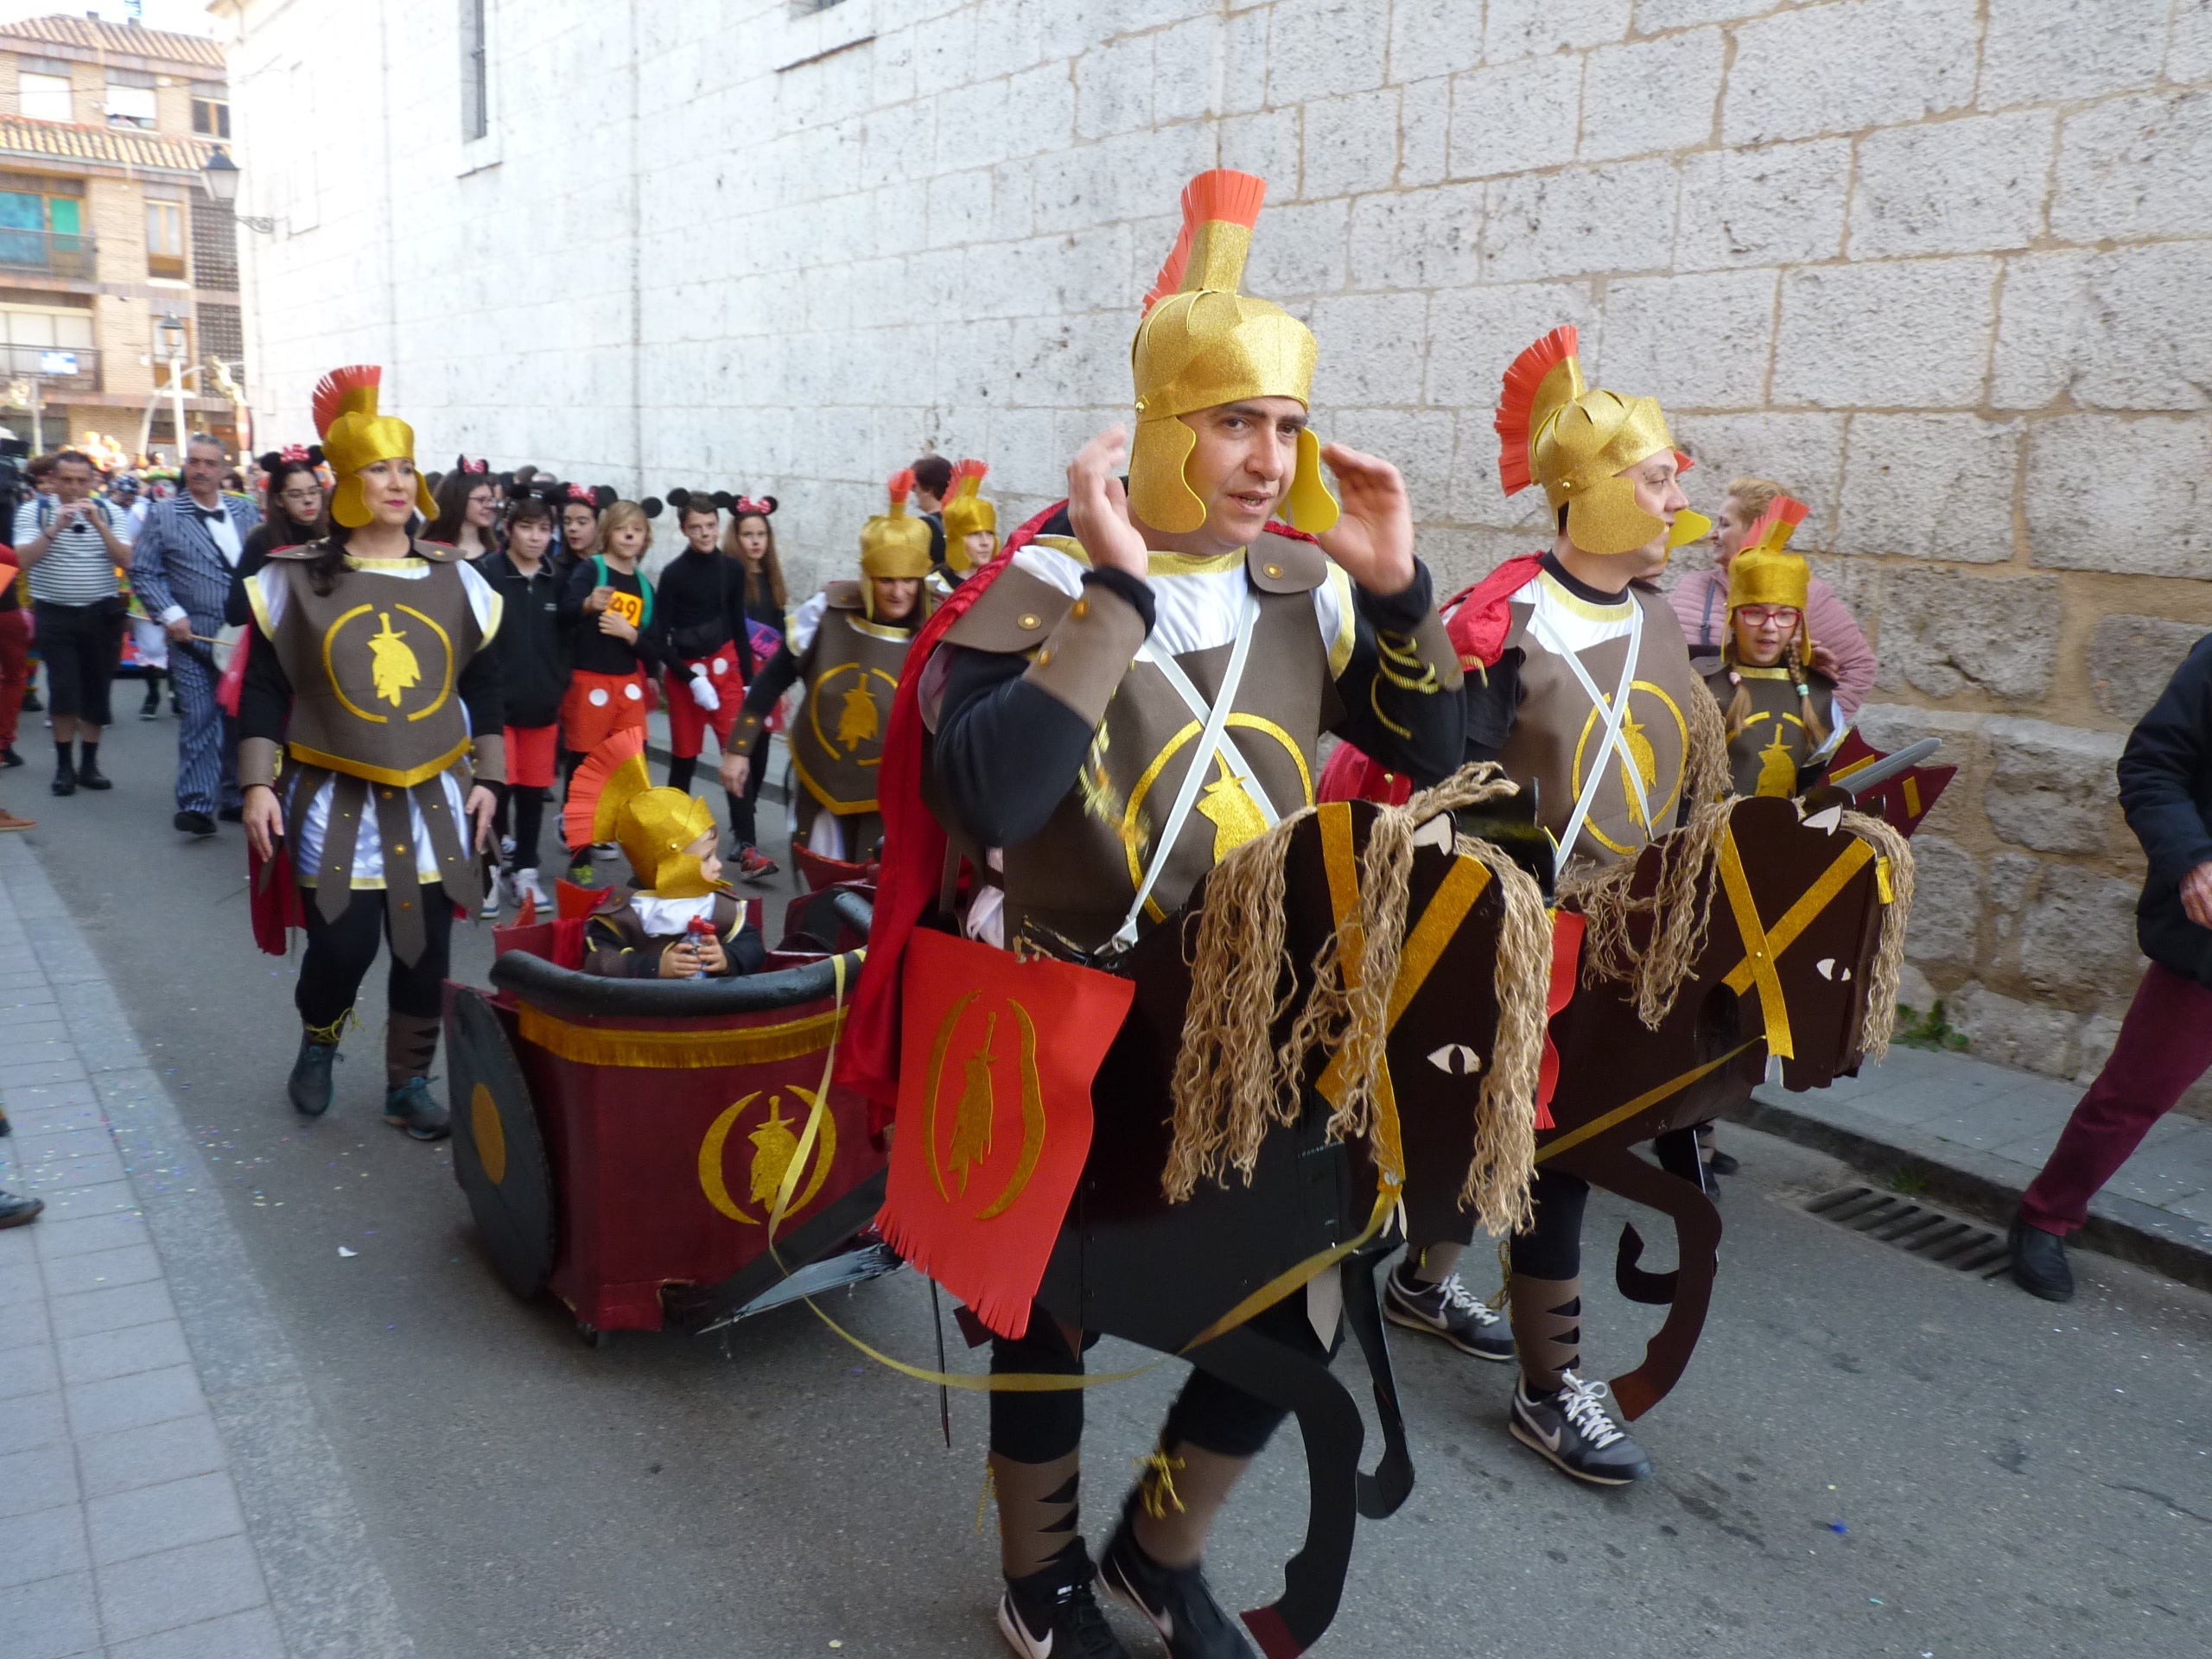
pixel 859 722
pixel 1272 570
pixel 1133 813
pixel 395 664
pixel 1029 619
pixel 490 1135
pixel 775 1143
pixel 1660 808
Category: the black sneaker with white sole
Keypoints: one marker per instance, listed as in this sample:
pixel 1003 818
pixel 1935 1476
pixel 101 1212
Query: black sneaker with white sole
pixel 1571 1429
pixel 1447 1309
pixel 1176 1599
pixel 1055 1614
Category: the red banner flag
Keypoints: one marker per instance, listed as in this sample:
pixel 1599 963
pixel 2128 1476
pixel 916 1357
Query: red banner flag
pixel 996 1057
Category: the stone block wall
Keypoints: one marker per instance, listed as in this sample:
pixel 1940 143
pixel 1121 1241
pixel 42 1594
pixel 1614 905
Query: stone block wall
pixel 1936 264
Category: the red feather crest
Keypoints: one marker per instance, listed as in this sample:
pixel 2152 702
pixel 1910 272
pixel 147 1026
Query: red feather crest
pixel 332 391
pixel 967 469
pixel 590 780
pixel 902 486
pixel 1784 511
pixel 1516 405
pixel 1229 196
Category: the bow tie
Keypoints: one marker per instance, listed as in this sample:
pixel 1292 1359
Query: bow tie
pixel 210 515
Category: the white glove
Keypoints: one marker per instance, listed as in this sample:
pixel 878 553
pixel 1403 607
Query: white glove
pixel 703 692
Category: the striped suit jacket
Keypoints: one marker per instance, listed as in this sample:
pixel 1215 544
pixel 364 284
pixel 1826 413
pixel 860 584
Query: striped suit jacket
pixel 176 562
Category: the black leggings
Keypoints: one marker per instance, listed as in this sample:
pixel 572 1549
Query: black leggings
pixel 340 953
pixel 1551 1248
pixel 81 645
pixel 526 809
pixel 1210 1413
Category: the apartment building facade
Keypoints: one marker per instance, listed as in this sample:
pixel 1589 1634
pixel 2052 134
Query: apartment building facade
pixel 116 265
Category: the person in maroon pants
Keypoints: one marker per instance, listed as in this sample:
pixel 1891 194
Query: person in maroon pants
pixel 2165 1042
pixel 15 655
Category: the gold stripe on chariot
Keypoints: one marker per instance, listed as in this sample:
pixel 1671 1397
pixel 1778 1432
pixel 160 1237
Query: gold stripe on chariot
pixel 669 1051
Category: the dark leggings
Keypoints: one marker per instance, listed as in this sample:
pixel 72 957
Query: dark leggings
pixel 1209 1413
pixel 1551 1248
pixel 340 953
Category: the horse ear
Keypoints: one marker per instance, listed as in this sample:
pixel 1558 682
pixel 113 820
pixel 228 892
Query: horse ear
pixel 678 498
pixel 650 507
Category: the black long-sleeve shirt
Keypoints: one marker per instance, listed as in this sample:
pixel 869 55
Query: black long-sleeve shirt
pixel 698 607
pixel 592 651
pixel 1007 752
pixel 2165 789
pixel 531 646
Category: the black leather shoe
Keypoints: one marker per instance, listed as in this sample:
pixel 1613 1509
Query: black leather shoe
pixel 9 758
pixel 65 779
pixel 90 776
pixel 310 1084
pixel 231 814
pixel 15 1209
pixel 194 823
pixel 1721 1163
pixel 2039 1263
pixel 413 1108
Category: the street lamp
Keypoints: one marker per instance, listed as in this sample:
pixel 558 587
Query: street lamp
pixel 170 332
pixel 220 175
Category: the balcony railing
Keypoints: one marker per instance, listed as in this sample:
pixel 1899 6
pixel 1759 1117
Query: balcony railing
pixel 57 368
pixel 56 253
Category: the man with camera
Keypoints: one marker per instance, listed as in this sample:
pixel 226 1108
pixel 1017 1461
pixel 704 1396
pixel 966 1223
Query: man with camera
pixel 70 546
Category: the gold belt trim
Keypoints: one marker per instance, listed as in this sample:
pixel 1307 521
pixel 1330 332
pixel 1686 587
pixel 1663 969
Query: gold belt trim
pixel 841 809
pixel 669 1051
pixel 1649 1098
pixel 407 779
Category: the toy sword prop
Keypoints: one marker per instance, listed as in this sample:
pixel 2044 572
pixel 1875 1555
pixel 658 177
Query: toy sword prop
pixel 1872 776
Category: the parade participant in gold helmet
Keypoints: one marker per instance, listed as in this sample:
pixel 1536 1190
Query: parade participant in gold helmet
pixel 1077 764
pixel 1779 708
pixel 1577 682
pixel 847 646
pixel 971 523
pixel 368 681
pixel 677 919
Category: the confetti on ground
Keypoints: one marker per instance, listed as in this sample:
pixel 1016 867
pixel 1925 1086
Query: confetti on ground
pixel 342 1250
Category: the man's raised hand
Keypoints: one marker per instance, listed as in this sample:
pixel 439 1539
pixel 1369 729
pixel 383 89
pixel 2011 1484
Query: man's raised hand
pixel 1098 508
pixel 1374 538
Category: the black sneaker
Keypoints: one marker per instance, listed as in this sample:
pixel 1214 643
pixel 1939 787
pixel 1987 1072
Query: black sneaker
pixel 413 1108
pixel 310 1084
pixel 1571 1428
pixel 150 710
pixel 65 779
pixel 1177 1599
pixel 1045 1616
pixel 90 776
pixel 1447 1309
pixel 1717 1162
pixel 17 1208
pixel 2039 1265
pixel 194 823
pixel 9 758
pixel 31 704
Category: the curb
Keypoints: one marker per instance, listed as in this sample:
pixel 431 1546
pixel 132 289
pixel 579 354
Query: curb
pixel 1975 1184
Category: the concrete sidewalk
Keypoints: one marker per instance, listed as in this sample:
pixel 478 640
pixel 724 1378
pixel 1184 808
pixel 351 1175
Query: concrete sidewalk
pixel 165 1491
pixel 1971 1136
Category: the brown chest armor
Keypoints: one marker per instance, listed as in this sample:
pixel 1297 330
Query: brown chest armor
pixel 373 665
pixel 1765 754
pixel 1078 876
pixel 851 673
pixel 1558 734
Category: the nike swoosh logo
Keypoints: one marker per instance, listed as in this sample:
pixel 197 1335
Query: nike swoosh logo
pixel 1551 1441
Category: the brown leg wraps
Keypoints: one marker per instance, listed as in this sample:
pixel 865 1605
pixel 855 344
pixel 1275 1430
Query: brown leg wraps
pixel 1547 1329
pixel 1182 1491
pixel 1037 1511
pixel 410 1042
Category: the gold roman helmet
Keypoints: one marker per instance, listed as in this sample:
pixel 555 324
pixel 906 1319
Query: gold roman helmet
pixel 966 512
pixel 893 546
pixel 1202 344
pixel 1557 430
pixel 1764 572
pixel 612 792
pixel 354 436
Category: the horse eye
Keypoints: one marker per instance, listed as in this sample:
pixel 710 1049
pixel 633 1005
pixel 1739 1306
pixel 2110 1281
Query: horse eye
pixel 1456 1061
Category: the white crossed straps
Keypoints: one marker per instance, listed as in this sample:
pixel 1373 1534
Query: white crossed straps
pixel 1213 739
pixel 1615 715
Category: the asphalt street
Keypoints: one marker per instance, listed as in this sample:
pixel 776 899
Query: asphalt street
pixel 1870 1455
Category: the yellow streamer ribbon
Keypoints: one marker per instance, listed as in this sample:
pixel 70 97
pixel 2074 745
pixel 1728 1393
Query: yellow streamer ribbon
pixel 1649 1098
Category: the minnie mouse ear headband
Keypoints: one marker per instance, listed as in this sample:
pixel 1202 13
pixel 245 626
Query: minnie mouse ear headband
pixel 292 454
pixel 597 497
pixel 479 468
pixel 682 499
pixel 746 506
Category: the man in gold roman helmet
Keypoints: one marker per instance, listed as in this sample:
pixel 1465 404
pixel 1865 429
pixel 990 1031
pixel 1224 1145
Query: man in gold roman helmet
pixel 848 646
pixel 1065 701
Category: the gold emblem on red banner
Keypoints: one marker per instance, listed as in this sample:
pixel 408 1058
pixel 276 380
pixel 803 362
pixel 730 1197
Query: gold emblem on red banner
pixel 974 1115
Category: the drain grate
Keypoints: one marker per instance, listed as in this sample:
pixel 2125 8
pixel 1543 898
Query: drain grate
pixel 1931 1235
